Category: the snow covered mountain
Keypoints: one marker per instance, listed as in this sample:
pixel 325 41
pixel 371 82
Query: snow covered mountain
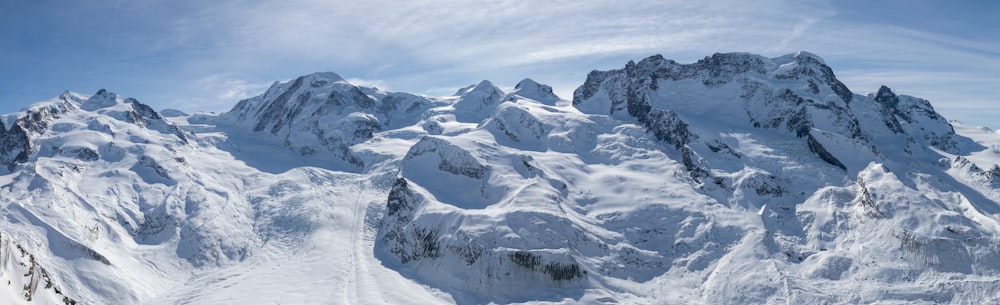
pixel 738 179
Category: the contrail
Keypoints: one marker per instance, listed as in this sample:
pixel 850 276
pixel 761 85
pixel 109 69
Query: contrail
pixel 114 28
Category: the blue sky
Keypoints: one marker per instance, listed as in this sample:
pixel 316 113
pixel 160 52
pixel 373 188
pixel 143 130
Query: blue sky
pixel 206 55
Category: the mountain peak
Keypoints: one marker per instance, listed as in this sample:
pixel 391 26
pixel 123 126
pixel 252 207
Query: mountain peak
pixel 100 100
pixel 526 83
pixel 803 55
pixel 320 79
pixel 800 57
pixel 530 89
pixel 477 101
pixel 483 86
pixel 884 93
pixel 68 96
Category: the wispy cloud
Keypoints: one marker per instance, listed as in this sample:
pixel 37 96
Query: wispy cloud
pixel 422 44
pixel 218 92
pixel 500 33
pixel 229 88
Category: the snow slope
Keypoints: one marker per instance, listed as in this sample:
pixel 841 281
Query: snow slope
pixel 736 179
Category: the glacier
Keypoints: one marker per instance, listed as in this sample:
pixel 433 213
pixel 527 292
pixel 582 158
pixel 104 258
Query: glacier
pixel 736 179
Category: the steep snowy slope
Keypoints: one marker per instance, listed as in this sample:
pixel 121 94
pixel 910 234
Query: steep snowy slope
pixel 738 179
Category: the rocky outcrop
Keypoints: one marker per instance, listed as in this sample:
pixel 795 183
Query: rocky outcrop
pixel 401 238
pixel 819 150
pixel 144 116
pixel 15 147
pixel 629 88
pixel 889 103
pixel 15 142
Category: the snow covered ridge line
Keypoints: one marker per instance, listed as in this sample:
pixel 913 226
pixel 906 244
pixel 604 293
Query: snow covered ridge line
pixel 16 140
pixel 737 179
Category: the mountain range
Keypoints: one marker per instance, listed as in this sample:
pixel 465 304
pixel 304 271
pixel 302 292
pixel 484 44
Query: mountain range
pixel 737 179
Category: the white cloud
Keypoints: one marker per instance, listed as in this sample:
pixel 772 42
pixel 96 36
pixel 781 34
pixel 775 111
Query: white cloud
pixel 371 83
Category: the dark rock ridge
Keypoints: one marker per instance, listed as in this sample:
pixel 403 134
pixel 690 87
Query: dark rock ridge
pixel 144 116
pixel 915 119
pixel 628 89
pixel 819 150
pixel 404 240
pixel 889 103
pixel 15 142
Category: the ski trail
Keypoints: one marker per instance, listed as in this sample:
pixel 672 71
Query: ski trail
pixel 351 295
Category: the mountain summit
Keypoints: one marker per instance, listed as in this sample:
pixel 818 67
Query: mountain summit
pixel 736 179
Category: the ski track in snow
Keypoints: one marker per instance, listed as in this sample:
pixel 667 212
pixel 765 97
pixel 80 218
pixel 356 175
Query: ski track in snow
pixel 357 230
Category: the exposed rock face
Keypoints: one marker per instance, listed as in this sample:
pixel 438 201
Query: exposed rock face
pixel 403 239
pixel 889 103
pixel 819 150
pixel 143 115
pixel 635 88
pixel 629 90
pixel 14 147
pixel 29 275
pixel 441 166
pixel 794 93
pixel 915 119
pixel 15 142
